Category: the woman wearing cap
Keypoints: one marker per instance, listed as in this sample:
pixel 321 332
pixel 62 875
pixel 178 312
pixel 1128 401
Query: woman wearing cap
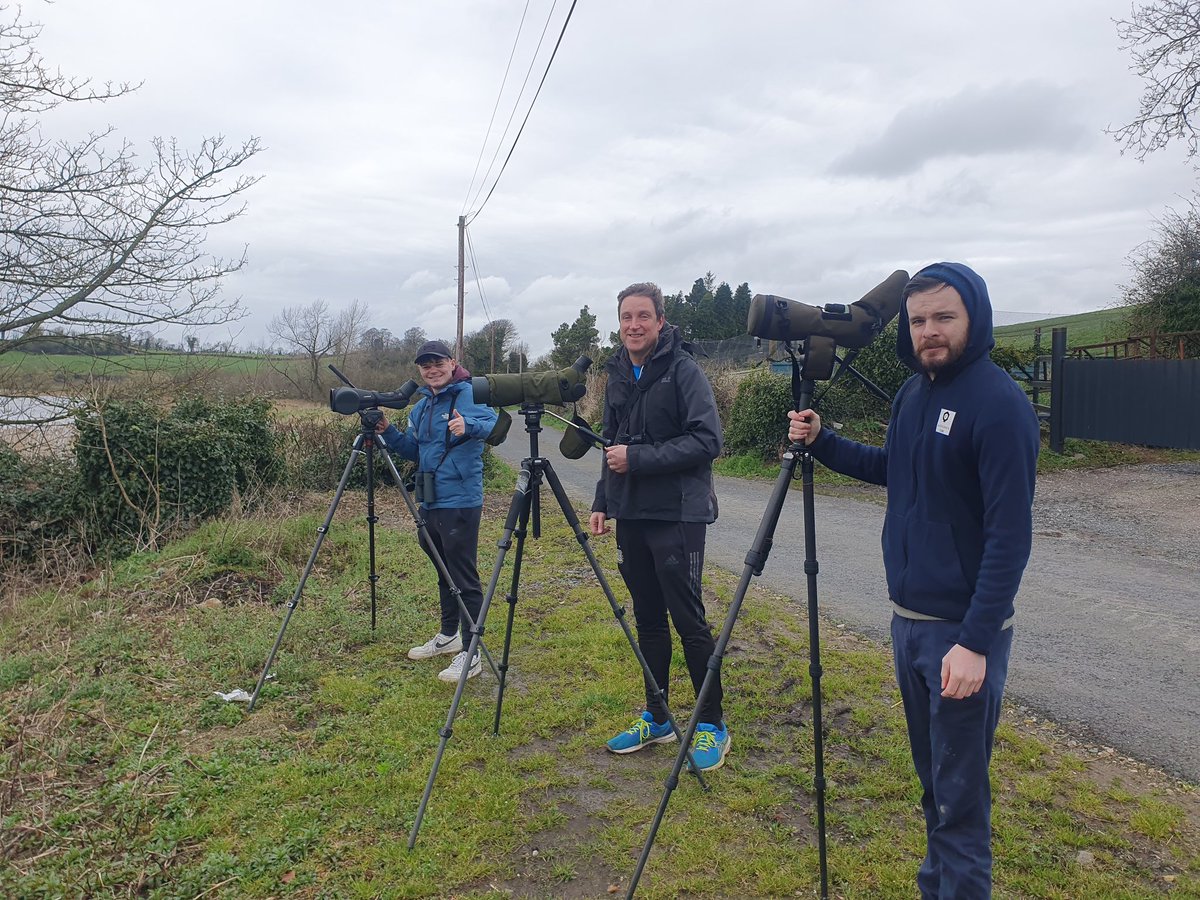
pixel 445 436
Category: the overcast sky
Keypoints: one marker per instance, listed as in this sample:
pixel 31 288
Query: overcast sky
pixel 808 148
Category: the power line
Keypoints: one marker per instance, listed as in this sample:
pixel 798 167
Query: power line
pixel 475 268
pixel 499 94
pixel 532 103
pixel 517 102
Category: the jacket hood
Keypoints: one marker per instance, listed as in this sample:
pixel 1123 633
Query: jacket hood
pixel 974 293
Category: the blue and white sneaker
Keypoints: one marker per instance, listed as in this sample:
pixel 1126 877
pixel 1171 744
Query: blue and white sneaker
pixel 643 731
pixel 710 744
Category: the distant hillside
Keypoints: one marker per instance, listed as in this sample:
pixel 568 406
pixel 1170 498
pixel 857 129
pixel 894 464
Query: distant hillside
pixel 1083 329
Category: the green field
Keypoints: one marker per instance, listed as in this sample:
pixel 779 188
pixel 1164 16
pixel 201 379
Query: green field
pixel 82 366
pixel 1083 329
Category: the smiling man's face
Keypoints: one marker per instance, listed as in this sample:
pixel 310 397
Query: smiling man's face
pixel 640 327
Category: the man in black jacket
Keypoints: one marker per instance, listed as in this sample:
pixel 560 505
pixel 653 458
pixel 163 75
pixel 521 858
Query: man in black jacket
pixel 656 481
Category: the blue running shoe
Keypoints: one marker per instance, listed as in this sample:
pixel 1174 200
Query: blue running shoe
pixel 643 731
pixel 709 746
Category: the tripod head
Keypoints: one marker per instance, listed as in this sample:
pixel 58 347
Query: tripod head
pixel 533 425
pixel 811 335
pixel 369 419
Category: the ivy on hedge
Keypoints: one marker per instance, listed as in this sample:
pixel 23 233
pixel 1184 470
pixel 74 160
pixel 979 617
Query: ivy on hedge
pixel 140 468
pixel 40 505
pixel 144 467
pixel 758 420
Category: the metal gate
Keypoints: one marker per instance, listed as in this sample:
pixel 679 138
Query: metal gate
pixel 1155 402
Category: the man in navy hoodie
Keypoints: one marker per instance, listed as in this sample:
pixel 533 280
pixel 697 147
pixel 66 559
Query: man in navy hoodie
pixel 445 435
pixel 959 464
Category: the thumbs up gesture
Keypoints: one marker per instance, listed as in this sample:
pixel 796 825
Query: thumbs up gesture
pixel 457 424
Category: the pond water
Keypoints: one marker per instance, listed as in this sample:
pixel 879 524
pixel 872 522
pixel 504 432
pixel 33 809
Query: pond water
pixel 55 437
pixel 31 408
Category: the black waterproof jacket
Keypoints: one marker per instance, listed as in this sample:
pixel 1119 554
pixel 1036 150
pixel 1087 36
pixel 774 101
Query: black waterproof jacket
pixel 669 420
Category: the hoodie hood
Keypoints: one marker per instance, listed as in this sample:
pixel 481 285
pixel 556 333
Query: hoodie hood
pixel 975 298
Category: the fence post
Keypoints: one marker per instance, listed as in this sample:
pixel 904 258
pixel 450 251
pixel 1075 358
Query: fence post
pixel 1058 352
pixel 1037 364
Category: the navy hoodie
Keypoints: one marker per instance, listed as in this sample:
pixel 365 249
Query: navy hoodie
pixel 959 463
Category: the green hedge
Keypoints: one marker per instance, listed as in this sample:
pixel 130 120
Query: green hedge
pixel 41 506
pixel 145 468
pixel 758 420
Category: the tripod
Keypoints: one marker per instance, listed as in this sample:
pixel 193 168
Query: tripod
pixel 364 446
pixel 756 559
pixel 525 505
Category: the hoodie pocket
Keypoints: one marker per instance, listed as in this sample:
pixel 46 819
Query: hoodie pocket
pixel 934 567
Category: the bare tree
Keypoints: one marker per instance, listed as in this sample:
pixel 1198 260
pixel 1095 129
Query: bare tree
pixel 91 241
pixel 1163 38
pixel 310 332
pixel 348 328
pixel 1164 292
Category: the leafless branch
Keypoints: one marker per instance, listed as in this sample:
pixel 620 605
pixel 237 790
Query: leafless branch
pixel 1163 40
pixel 92 241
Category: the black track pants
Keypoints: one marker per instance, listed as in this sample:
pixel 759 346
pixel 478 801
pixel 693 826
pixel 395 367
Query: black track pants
pixel 661 563
pixel 455 533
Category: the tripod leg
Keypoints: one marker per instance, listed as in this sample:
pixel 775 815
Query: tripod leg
pixel 371 520
pixel 618 611
pixel 814 660
pixel 518 509
pixel 312 558
pixel 512 608
pixel 755 560
pixel 427 541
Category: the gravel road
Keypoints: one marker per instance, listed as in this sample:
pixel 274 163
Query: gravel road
pixel 1108 617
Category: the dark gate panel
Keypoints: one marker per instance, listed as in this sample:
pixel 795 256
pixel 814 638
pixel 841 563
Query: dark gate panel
pixel 1154 402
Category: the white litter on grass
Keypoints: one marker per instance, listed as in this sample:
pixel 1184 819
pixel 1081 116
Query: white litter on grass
pixel 234 696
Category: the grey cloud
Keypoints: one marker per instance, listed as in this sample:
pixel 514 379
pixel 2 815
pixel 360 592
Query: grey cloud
pixel 1005 119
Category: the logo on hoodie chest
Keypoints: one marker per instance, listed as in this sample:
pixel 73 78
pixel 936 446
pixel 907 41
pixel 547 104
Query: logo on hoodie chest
pixel 945 421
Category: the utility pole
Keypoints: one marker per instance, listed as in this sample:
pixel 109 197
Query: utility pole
pixel 462 274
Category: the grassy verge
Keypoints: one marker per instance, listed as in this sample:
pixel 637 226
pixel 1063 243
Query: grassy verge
pixel 121 774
